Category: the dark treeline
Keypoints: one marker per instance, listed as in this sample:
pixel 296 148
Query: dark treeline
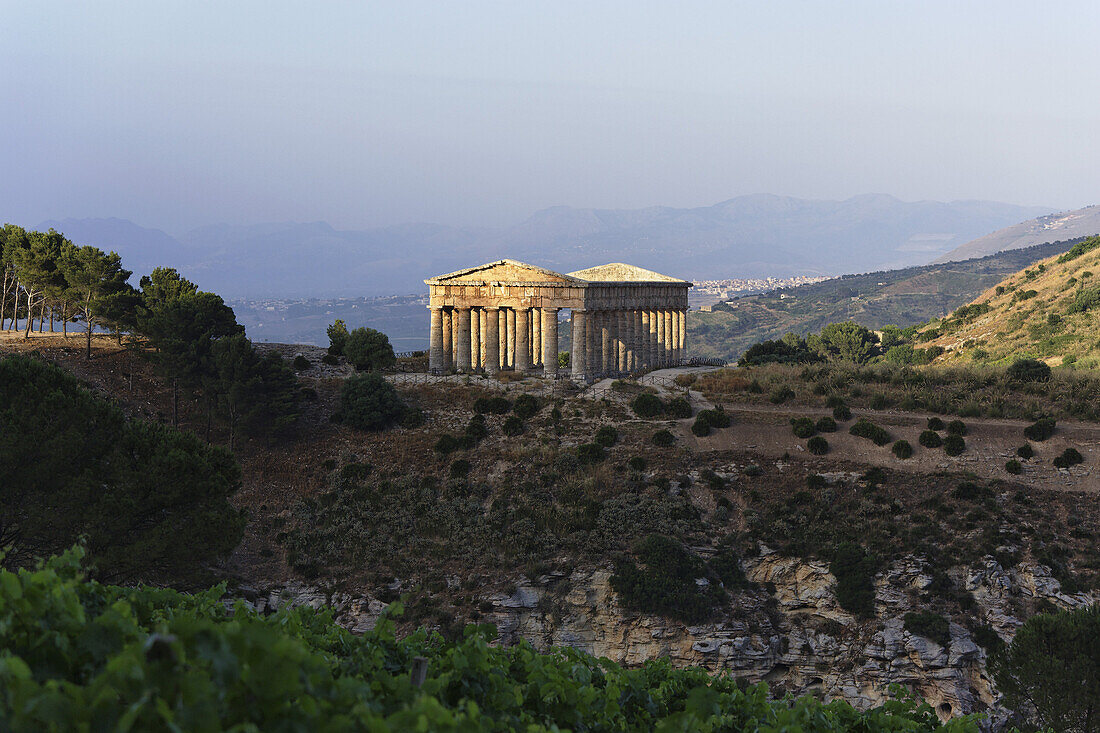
pixel 192 337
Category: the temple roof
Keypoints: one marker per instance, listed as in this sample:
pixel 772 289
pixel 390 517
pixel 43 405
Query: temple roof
pixel 512 271
pixel 622 272
pixel 503 271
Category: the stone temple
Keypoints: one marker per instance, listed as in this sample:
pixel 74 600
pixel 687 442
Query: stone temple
pixel 504 316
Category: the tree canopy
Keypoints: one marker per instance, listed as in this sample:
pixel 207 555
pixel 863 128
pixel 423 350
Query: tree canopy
pixel 149 499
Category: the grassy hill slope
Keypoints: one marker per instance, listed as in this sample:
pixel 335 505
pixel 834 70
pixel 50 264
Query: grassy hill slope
pixel 903 297
pixel 1048 311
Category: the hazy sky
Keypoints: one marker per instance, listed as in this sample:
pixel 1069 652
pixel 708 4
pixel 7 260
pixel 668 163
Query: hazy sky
pixel 368 113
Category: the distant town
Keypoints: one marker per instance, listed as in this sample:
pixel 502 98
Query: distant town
pixel 708 292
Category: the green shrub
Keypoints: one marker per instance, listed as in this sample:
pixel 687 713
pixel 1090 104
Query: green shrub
pixel 492 405
pixel 476 429
pixel 1069 457
pixel 1028 370
pixel 526 405
pixel 930 439
pixel 1040 430
pixel 460 468
pixel 412 417
pixel 826 425
pixel 817 445
pixel 664 583
pixel 663 439
pixel 330 359
pixel 1051 670
pixel 929 625
pixel 590 453
pixel 781 395
pixel 864 428
pixel 369 350
pixel 902 449
pixel 954 445
pixel 752 470
pixel 700 427
pixel 369 402
pixel 337 338
pixel 1013 466
pixel 803 427
pixel 678 407
pixel 1025 451
pixel 842 413
pixel 854 569
pixel 607 436
pixel 716 418
pixel 934 423
pixel 647 405
pixel 512 426
pixel 956 427
pixel 637 463
pixel 301 363
pixel 986 637
pixel 448 443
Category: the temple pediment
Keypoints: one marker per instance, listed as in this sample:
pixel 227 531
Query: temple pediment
pixel 502 271
pixel 614 272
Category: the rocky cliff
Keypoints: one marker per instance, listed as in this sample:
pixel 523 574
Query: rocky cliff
pixel 791 632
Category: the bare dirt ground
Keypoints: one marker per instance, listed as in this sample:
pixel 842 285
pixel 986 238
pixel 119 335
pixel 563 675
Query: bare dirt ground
pixel 989 444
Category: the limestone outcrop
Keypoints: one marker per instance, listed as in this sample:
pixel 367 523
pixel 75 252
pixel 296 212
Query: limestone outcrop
pixel 791 632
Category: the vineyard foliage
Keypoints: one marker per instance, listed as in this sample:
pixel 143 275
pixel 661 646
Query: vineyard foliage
pixel 77 655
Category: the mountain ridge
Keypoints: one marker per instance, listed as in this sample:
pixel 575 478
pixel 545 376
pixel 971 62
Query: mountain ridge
pixel 745 236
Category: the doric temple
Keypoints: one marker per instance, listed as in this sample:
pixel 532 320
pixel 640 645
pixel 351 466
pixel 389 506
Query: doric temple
pixel 504 316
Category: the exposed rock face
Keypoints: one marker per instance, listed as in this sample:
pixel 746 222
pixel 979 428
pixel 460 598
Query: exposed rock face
pixel 792 633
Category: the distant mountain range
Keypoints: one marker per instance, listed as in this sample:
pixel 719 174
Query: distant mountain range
pixel 1049 228
pixel 748 236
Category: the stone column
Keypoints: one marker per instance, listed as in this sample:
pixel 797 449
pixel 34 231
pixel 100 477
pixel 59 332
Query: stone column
pixel 667 316
pixel 592 344
pixel 475 339
pixel 674 329
pixel 643 340
pixel 462 350
pixel 510 358
pixel 502 334
pixel 639 342
pixel 483 323
pixel 491 340
pixel 523 343
pixel 606 344
pixel 435 340
pixel 659 336
pixel 536 337
pixel 578 354
pixel 622 343
pixel 454 337
pixel 682 315
pixel 549 338
pixel 448 340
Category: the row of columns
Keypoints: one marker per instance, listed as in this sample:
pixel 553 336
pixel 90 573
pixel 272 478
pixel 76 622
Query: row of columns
pixel 609 342
pixel 494 339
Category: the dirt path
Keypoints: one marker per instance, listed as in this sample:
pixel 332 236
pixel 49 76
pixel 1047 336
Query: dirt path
pixel 990 443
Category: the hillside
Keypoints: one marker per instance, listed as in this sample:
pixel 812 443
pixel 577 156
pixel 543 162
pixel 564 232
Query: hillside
pixel 747 236
pixel 901 297
pixel 1062 225
pixel 567 519
pixel 1047 311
